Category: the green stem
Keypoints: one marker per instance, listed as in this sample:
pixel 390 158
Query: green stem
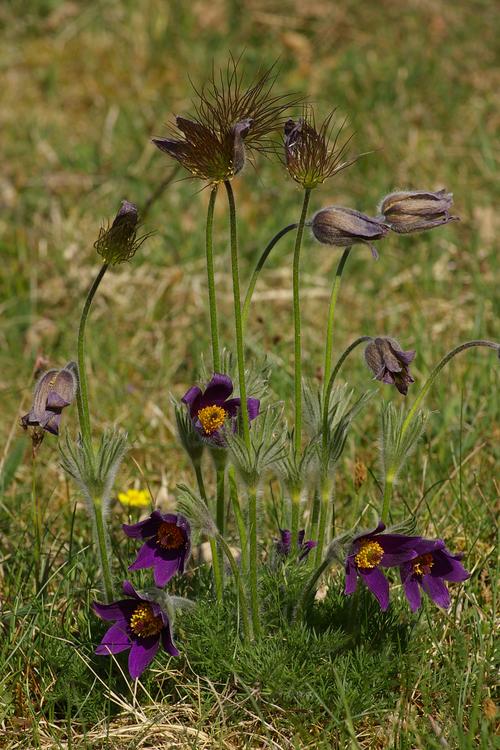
pixel 221 513
pixel 254 591
pixel 213 545
pixel 102 547
pixel 212 302
pixel 240 521
pixel 37 522
pixel 83 395
pixel 237 314
pixel 294 540
pixel 331 320
pixel 391 472
pixel 258 269
pixel 247 625
pixel 297 436
pixel 325 495
pixel 309 587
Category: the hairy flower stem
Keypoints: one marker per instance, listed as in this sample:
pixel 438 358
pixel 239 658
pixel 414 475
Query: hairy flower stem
pixel 325 502
pixel 253 554
pixel 258 269
pixel 331 321
pixel 212 302
pixel 309 587
pixel 221 514
pixel 237 313
pixel 391 471
pixel 102 548
pixel 37 522
pixel 83 394
pixel 245 619
pixel 297 435
pixel 295 498
pixel 240 521
pixel 216 567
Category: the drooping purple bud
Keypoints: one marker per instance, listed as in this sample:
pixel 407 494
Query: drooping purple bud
pixel 344 227
pixel 389 363
pixel 417 210
pixel 55 390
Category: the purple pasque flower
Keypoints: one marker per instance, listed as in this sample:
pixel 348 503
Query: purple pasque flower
pixel 167 547
pixel 429 570
pixel 389 363
pixel 211 409
pixel 283 545
pixel 140 625
pixel 372 550
pixel 55 390
pixel 417 210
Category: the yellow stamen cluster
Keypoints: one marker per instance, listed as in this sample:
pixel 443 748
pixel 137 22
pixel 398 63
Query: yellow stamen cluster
pixel 212 418
pixel 369 555
pixel 135 498
pixel 144 622
pixel 422 565
pixel 170 536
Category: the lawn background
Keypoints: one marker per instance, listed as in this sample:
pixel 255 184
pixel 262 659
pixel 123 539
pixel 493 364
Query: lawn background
pixel 84 87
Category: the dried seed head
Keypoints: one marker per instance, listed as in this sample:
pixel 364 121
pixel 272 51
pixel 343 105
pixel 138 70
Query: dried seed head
pixel 119 242
pixel 417 210
pixel 344 227
pixel 311 153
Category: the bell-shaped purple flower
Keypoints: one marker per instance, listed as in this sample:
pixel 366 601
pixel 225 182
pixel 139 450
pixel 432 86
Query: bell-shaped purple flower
pixel 371 551
pixel 55 390
pixel 212 409
pixel 167 547
pixel 283 545
pixel 343 227
pixel 433 566
pixel 417 210
pixel 389 363
pixel 140 625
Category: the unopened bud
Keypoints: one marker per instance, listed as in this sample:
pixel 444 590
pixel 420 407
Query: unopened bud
pixel 119 242
pixel 415 211
pixel 344 227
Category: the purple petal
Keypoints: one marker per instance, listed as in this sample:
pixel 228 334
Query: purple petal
pixel 130 591
pixel 145 557
pixel 377 530
pixel 55 401
pixel 395 543
pixel 165 569
pixel 144 529
pixel 378 585
pixel 167 641
pixel 458 572
pixel 448 567
pixel 351 577
pixel 253 406
pixel 52 423
pixel 218 390
pixel 192 399
pixel 407 357
pixel 437 590
pixel 115 640
pixel 412 591
pixel 232 406
pixel 119 611
pixel 141 655
pixel 393 559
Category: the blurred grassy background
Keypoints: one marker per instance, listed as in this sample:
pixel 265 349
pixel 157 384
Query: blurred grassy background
pixel 84 87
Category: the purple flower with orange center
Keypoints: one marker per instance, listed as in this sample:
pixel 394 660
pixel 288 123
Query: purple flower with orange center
pixel 433 566
pixel 140 625
pixel 211 409
pixel 167 546
pixel 283 546
pixel 371 551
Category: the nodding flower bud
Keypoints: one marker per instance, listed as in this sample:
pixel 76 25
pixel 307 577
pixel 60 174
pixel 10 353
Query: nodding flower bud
pixel 119 242
pixel 415 211
pixel 389 363
pixel 55 390
pixel 344 227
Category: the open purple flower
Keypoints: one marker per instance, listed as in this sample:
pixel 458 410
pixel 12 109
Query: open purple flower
pixel 389 363
pixel 212 408
pixel 371 551
pixel 55 390
pixel 167 546
pixel 433 566
pixel 140 625
pixel 283 546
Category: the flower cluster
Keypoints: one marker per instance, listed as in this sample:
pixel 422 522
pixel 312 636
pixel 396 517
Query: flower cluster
pixel 423 563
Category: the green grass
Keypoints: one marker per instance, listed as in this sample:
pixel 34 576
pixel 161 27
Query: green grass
pixel 84 87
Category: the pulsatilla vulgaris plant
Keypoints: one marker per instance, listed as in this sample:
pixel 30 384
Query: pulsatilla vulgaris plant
pixel 248 452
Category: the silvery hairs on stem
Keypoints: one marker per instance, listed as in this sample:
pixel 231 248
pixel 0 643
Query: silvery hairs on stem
pixel 394 447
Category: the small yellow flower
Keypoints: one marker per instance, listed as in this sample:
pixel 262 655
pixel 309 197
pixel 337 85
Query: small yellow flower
pixel 135 498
